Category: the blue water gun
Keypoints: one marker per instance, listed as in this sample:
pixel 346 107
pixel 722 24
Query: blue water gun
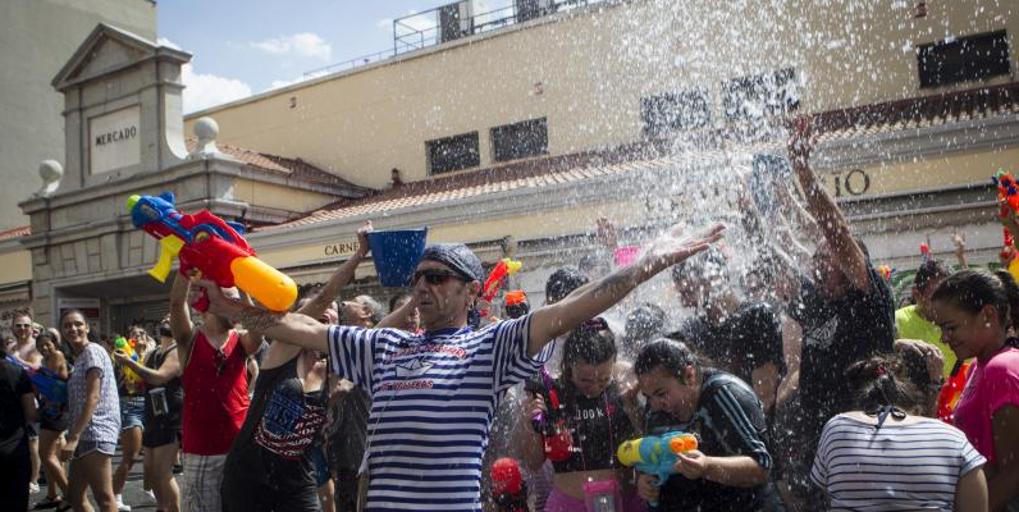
pixel 656 455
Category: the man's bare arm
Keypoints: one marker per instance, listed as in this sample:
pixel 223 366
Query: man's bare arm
pixel 343 275
pixel 292 328
pixel 846 252
pixel 582 305
pixel 180 315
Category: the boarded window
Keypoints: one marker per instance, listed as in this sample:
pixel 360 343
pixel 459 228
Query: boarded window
pixel 453 153
pixel 520 140
pixel 758 96
pixel 669 112
pixel 960 60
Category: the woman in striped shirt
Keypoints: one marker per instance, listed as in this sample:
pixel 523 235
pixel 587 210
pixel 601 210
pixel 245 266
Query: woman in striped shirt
pixel 886 457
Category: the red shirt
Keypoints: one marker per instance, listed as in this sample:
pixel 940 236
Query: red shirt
pixel 215 395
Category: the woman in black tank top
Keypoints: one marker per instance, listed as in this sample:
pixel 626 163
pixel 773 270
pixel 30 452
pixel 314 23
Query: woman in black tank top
pixel 584 416
pixel 164 400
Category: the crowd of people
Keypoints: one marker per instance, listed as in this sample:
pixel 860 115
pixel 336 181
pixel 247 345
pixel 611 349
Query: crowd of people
pixel 803 385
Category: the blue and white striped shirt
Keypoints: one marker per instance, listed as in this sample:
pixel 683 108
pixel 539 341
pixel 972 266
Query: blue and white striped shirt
pixel 909 466
pixel 433 400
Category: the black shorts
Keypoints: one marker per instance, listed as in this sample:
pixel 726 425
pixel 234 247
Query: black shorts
pixel 153 437
pixel 54 424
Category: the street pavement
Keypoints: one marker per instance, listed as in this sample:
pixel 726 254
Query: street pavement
pixel 134 495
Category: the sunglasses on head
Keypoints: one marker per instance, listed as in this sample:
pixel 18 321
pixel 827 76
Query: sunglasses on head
pixel 435 276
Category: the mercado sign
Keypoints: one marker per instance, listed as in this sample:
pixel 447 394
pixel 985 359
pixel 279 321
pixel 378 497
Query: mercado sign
pixel 114 140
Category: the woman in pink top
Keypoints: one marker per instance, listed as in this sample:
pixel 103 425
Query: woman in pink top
pixel 975 310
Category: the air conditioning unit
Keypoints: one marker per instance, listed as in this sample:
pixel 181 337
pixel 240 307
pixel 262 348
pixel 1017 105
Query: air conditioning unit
pixel 456 20
pixel 531 9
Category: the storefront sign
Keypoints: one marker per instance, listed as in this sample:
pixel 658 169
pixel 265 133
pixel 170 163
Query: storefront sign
pixel 114 140
pixel 344 248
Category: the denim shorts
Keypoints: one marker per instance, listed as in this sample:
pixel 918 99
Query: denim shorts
pixel 132 412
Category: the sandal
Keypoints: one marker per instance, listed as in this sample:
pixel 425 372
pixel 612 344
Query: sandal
pixel 49 503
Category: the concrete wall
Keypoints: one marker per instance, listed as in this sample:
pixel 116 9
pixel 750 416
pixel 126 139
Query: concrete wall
pixel 593 68
pixel 36 39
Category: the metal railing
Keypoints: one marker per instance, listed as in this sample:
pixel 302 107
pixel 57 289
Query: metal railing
pixel 450 22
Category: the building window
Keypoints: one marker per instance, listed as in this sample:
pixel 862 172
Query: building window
pixel 453 153
pixel 966 58
pixel 520 140
pixel 758 96
pixel 674 111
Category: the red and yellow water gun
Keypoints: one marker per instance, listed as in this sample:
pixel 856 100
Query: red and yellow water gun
pixel 505 268
pixel 211 246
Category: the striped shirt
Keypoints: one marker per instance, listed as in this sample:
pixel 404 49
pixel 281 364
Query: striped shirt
pixel 433 400
pixel 899 467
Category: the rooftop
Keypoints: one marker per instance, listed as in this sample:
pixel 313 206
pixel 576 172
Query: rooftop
pixel 292 168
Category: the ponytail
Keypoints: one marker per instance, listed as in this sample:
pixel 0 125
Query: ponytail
pixel 881 382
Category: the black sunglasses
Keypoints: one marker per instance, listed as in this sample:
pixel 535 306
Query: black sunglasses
pixel 435 277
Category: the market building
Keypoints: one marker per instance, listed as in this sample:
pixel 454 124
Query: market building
pixel 515 136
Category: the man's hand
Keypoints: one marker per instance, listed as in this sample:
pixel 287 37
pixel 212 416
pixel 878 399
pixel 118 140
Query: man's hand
pixel 533 406
pixel 607 236
pixel 692 464
pixel 219 303
pixel 362 238
pixel 959 241
pixel 931 355
pixel 673 247
pixel 647 487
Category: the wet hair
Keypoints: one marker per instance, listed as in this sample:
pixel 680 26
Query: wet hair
pixel 884 381
pixel 395 299
pixel 645 322
pixel 672 355
pixel 929 271
pixel 972 290
pixel 592 343
pixel 561 283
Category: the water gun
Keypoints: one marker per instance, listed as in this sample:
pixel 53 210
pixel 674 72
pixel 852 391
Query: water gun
pixel 1008 196
pixel 516 304
pixel 211 247
pixel 132 380
pixel 505 267
pixel 656 455
pixel 886 272
pixel 951 391
pixel 557 439
pixel 49 385
pixel 508 489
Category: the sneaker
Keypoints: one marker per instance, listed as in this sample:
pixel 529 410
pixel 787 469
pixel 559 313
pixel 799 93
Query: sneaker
pixel 33 488
pixel 121 506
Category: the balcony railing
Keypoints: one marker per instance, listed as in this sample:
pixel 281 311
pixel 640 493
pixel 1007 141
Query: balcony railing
pixel 453 21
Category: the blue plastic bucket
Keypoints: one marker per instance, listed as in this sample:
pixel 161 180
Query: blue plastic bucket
pixel 396 254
